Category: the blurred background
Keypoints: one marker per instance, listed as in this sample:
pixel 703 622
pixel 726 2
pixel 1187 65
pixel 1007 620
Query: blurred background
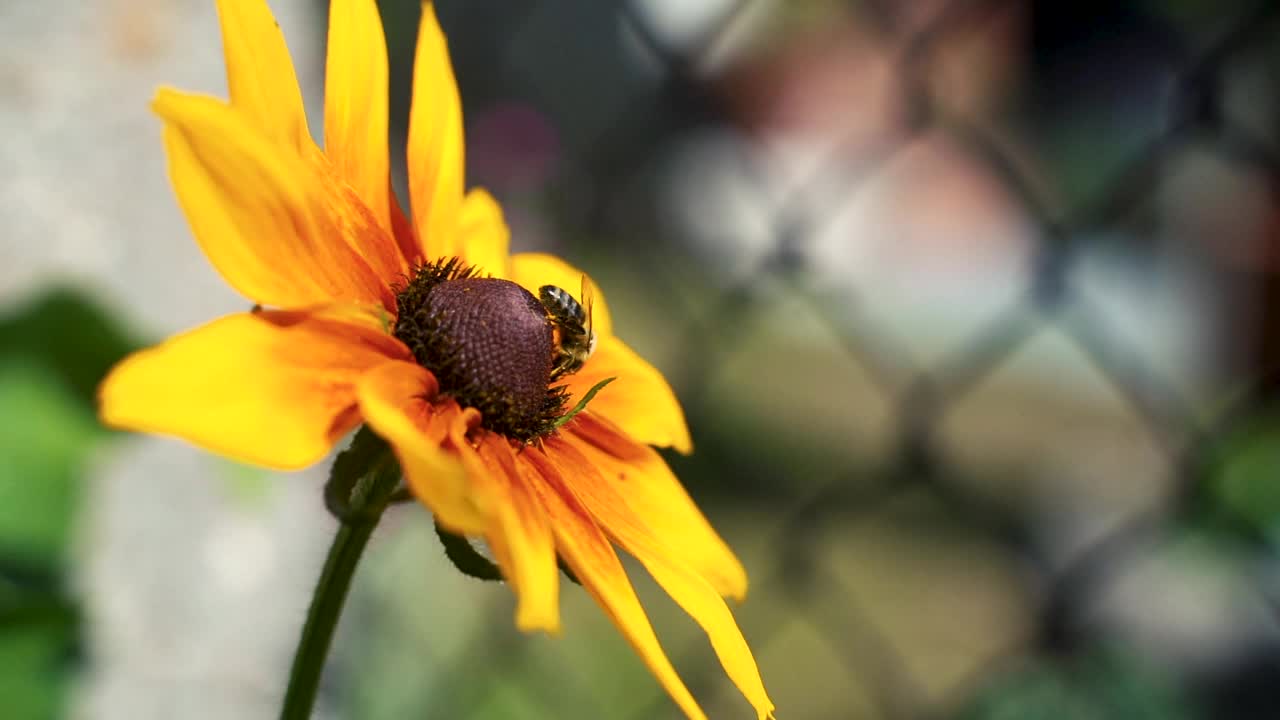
pixel 974 307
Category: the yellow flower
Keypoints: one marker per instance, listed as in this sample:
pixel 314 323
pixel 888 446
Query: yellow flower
pixel 358 301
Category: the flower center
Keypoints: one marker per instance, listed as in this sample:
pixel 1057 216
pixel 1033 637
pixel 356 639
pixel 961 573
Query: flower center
pixel 489 342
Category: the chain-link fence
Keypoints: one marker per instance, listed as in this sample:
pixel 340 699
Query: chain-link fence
pixel 972 308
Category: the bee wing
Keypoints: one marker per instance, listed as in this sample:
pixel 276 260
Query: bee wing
pixel 588 299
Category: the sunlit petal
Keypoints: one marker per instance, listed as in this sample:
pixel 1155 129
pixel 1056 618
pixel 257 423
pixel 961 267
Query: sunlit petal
pixel 519 534
pixel 435 151
pixel 270 388
pixel 354 222
pixel 260 73
pixel 640 401
pixel 402 231
pixel 395 399
pixel 603 499
pixel 657 500
pixel 483 235
pixel 588 553
pixel 265 220
pixel 355 103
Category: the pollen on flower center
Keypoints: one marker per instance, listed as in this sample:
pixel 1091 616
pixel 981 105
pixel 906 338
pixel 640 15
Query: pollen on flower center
pixel 489 343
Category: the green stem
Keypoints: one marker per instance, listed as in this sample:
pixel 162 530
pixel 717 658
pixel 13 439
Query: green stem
pixel 369 500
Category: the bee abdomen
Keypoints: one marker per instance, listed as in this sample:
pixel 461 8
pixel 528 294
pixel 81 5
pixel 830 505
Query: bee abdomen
pixel 555 298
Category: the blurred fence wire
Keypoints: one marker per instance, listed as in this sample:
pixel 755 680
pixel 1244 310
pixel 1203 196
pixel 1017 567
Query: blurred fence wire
pixel 1190 434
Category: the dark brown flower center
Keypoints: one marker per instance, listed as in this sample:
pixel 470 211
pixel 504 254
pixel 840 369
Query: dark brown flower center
pixel 489 343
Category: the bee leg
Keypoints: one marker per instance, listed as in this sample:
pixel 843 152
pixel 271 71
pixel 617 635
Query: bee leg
pixel 560 368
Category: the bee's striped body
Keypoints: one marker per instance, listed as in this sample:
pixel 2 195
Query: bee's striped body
pixel 575 338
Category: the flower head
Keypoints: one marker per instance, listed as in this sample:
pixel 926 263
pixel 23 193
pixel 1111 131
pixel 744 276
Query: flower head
pixel 425 329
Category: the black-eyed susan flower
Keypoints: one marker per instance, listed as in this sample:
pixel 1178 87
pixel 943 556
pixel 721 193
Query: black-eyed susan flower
pixel 425 329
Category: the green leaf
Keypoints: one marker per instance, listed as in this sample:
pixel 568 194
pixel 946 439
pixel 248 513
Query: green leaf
pixel 356 475
pixel 470 562
pixel 465 557
pixel 582 404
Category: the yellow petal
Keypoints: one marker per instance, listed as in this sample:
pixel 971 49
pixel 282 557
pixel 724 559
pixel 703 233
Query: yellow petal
pixel 269 388
pixel 435 150
pixel 355 103
pixel 260 213
pixel 640 401
pixel 395 399
pixel 402 230
pixel 519 534
pixel 260 73
pixel 354 221
pixel 657 499
pixel 588 553
pixel 533 270
pixel 603 499
pixel 483 235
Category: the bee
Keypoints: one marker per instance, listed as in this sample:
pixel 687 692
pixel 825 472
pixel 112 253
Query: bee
pixel 572 320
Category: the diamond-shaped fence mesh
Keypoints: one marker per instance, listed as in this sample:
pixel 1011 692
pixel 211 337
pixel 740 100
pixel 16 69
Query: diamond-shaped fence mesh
pixel 973 310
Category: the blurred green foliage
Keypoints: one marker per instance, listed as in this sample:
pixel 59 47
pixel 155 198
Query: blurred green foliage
pixel 1244 484
pixel 43 458
pixel 69 335
pixel 53 351
pixel 1102 685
